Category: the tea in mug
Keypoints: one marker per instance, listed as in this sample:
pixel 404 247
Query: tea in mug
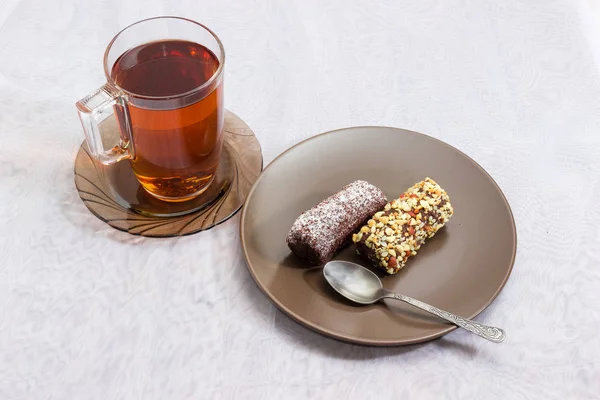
pixel 176 148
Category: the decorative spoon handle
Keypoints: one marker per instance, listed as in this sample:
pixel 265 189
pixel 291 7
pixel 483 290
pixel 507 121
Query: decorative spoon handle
pixel 490 333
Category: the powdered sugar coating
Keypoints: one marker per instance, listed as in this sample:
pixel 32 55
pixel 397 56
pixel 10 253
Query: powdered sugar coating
pixel 319 233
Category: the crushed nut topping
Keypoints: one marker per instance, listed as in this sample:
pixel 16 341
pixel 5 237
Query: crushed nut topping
pixel 395 234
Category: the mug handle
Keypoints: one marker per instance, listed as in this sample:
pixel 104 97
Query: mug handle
pixel 96 112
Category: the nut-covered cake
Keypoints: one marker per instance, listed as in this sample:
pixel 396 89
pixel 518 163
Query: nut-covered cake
pixel 391 236
pixel 320 232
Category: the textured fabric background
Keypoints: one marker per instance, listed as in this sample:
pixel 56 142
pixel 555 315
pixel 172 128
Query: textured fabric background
pixel 87 312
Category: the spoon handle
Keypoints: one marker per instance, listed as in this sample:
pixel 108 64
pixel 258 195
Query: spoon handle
pixel 490 333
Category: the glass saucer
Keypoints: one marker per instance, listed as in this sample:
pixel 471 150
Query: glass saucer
pixel 113 194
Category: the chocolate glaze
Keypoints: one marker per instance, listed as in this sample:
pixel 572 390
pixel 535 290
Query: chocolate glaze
pixel 320 232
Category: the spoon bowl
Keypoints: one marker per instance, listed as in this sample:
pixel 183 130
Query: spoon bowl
pixel 357 284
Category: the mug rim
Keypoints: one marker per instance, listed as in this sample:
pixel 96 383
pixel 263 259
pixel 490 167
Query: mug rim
pixel 206 84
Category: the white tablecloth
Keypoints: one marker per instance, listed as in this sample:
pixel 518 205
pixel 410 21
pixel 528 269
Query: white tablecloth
pixel 88 312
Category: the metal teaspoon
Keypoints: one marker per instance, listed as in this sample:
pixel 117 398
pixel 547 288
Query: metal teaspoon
pixel 362 286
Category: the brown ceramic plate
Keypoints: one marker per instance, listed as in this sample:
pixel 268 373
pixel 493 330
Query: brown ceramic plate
pixel 462 269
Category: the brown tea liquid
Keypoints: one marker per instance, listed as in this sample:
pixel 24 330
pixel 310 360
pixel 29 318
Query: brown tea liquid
pixel 177 142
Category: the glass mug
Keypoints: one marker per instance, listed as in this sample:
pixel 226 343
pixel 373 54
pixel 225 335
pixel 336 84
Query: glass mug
pixel 165 89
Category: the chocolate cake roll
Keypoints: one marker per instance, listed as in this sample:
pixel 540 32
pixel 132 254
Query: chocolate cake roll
pixel 320 232
pixel 397 232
